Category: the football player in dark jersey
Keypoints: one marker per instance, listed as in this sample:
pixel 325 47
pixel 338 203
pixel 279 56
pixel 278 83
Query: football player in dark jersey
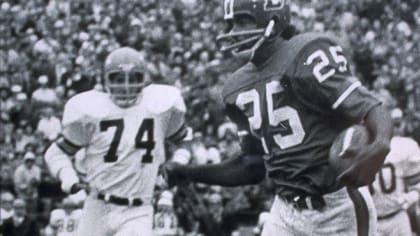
pixel 290 100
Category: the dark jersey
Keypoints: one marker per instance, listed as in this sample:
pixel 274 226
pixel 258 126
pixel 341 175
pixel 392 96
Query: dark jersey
pixel 296 104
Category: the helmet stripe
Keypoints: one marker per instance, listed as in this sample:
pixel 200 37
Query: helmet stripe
pixel 229 9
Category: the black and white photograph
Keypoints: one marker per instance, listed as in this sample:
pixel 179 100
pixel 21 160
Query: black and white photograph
pixel 209 118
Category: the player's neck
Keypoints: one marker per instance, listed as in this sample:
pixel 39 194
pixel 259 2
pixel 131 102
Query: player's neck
pixel 264 53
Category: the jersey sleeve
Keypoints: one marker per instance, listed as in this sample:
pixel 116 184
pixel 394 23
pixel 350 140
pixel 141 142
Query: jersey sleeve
pixel 322 75
pixel 177 130
pixel 250 144
pixel 76 129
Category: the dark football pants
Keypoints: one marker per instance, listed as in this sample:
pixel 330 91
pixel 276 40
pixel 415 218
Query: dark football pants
pixel 348 212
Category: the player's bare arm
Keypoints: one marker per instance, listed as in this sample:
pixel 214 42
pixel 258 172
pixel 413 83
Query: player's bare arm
pixel 242 170
pixel 247 168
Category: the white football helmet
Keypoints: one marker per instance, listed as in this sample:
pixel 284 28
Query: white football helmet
pixel 125 75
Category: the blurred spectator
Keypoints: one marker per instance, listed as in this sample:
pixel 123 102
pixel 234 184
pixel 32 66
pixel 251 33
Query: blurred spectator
pixel 21 112
pixel 382 93
pixel 236 203
pixel 20 224
pixel 6 203
pixel 262 218
pixel 6 171
pixel 6 102
pixel 400 125
pixel 46 46
pixel 24 137
pixel 182 156
pixel 49 125
pixel 215 205
pixel 26 179
pixel 229 144
pixel 44 95
pixel 165 220
pixel 412 85
pixel 43 65
pixel 199 150
pixel 80 81
pixel 213 154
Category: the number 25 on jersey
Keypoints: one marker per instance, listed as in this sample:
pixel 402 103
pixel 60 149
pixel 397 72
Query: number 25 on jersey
pixel 276 116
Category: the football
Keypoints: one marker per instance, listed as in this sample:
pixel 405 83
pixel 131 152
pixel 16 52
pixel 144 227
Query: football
pixel 352 137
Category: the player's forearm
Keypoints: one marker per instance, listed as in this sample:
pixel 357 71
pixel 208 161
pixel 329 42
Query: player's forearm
pixel 243 170
pixel 379 123
pixel 61 167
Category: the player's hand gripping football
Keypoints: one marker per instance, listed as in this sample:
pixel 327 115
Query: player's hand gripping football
pixel 370 159
pixel 174 174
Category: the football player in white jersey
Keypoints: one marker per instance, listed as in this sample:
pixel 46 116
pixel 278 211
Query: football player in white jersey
pixel 123 132
pixel 64 221
pixel 396 185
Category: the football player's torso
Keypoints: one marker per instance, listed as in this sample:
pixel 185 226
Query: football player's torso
pixel 127 146
pixel 388 188
pixel 294 130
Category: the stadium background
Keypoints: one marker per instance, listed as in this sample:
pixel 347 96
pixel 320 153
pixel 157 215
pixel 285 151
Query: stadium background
pixel 51 50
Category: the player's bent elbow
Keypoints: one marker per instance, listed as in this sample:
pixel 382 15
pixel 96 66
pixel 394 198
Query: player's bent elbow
pixel 49 153
pixel 379 123
pixel 52 151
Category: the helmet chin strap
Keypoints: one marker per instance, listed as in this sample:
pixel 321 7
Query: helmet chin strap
pixel 248 54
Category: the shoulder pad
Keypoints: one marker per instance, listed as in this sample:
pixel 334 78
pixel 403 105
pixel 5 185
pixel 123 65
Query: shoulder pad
pixel 236 80
pixel 161 98
pixel 298 43
pixel 91 103
pixel 285 56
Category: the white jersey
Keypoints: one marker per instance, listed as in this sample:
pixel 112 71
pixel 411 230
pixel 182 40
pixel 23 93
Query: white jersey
pixel 65 224
pixel 388 188
pixel 124 146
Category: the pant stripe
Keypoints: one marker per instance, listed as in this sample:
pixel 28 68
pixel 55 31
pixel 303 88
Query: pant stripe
pixel 362 212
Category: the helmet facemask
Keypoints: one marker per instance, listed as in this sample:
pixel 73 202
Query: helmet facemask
pixel 124 86
pixel 244 44
pixel 125 76
pixel 253 23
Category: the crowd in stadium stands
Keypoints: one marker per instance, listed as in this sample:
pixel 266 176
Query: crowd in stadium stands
pixel 52 50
